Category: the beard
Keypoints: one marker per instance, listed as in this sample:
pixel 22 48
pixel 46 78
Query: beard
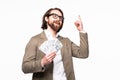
pixel 55 25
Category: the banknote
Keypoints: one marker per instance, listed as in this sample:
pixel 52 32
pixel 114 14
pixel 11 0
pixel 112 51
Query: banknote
pixel 51 46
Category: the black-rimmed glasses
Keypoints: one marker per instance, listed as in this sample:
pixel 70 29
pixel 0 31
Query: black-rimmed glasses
pixel 55 16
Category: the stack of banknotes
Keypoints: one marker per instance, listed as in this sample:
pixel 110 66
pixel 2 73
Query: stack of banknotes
pixel 49 46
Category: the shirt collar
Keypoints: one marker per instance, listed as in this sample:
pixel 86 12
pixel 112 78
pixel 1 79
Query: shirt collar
pixel 49 34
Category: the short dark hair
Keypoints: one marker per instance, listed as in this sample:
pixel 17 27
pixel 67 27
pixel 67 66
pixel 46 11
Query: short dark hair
pixel 44 23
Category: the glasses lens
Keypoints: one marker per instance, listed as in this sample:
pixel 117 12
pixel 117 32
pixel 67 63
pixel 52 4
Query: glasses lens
pixel 55 16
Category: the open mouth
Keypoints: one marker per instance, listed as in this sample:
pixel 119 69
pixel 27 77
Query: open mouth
pixel 57 23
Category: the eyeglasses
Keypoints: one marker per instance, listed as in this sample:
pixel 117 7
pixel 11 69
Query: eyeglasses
pixel 55 16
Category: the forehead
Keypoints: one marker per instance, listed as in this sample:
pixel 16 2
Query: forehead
pixel 56 12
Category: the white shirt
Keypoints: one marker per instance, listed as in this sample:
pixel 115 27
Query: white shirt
pixel 58 68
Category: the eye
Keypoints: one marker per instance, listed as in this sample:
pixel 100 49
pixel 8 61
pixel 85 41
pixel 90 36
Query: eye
pixel 55 16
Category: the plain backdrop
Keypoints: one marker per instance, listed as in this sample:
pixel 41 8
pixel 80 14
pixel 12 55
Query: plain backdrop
pixel 21 19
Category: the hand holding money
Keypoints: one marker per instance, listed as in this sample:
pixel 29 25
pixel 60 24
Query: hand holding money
pixel 47 59
pixel 50 48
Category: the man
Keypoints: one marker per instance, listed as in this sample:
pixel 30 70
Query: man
pixel 49 56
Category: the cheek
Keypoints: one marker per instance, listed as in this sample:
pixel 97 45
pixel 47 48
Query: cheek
pixel 49 21
pixel 61 22
pixel 52 20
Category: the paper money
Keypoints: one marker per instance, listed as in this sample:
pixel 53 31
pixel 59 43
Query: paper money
pixel 51 46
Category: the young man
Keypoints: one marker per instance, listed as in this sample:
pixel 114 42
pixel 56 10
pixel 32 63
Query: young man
pixel 48 55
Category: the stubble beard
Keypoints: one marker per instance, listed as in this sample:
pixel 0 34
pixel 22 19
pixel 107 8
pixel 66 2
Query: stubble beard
pixel 55 26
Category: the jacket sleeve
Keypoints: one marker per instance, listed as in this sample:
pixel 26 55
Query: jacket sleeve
pixel 81 51
pixel 30 64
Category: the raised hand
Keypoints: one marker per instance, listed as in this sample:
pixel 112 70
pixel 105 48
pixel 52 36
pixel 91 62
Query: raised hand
pixel 78 23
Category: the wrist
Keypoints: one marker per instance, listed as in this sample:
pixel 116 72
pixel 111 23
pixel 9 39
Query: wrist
pixel 42 63
pixel 82 31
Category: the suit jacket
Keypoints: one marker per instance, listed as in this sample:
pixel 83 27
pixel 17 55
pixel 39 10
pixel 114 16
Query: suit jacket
pixel 32 58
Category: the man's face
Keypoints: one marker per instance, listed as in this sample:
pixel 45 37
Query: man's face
pixel 55 20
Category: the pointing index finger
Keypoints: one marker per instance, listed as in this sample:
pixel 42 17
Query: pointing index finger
pixel 79 17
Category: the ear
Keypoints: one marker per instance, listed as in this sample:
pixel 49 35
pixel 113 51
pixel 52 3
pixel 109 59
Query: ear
pixel 46 19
